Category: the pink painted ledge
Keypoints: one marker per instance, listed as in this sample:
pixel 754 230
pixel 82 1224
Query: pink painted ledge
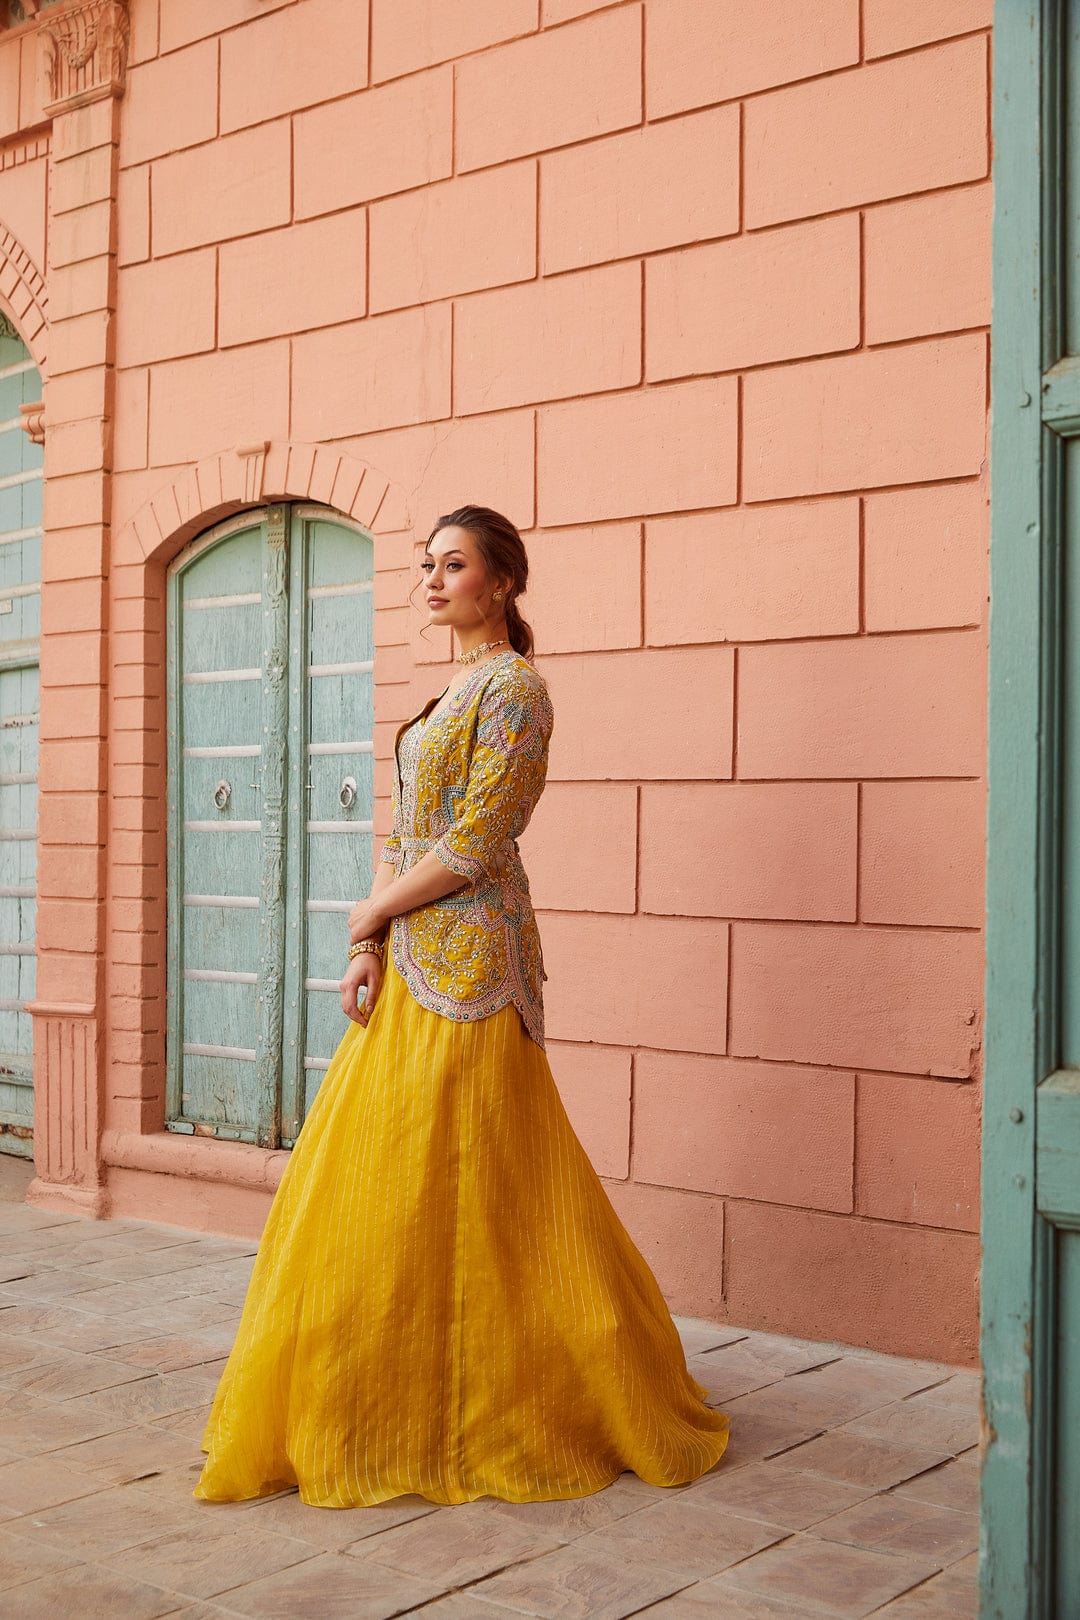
pixel 208 1159
pixel 182 1158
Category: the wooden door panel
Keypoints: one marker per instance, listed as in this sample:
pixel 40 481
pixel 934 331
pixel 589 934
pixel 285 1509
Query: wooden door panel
pixel 1063 1506
pixel 331 774
pixel 223 633
pixel 341 625
pixel 231 777
pixel 217 568
pixel 227 709
pixel 260 934
pixel 20 575
pixel 217 933
pixel 337 697
pixel 223 860
pixel 337 726
pixel 217 1092
pixel 216 735
pixel 335 870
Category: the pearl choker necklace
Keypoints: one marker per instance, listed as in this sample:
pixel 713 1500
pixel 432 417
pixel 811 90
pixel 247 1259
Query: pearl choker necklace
pixel 485 646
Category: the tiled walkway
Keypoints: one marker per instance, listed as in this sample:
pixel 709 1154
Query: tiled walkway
pixel 849 1486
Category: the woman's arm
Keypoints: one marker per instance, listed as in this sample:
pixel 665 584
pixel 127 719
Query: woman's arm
pixel 428 880
pixel 384 876
pixel 506 775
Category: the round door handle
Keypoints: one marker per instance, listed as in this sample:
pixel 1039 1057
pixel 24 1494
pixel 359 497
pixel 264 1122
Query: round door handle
pixel 347 796
pixel 222 794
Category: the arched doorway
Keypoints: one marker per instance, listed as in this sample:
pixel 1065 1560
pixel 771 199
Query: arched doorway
pixel 271 789
pixel 20 625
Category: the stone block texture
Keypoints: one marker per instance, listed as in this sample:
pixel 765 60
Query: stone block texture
pixel 698 294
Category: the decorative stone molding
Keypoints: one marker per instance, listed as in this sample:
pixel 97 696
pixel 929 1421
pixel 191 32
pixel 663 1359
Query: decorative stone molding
pixel 255 475
pixel 22 296
pixel 36 146
pixel 65 1074
pixel 85 44
pixel 33 422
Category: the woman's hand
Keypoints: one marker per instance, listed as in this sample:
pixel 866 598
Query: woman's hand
pixel 364 971
pixel 366 919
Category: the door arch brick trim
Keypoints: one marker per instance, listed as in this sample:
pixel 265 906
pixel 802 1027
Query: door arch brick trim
pixel 23 296
pixel 193 502
pixel 255 475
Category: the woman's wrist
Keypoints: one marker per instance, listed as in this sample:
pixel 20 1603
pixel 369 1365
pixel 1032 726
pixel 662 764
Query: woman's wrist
pixel 387 904
pixel 380 914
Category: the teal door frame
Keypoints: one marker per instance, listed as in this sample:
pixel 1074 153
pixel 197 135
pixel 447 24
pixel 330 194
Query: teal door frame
pixel 1029 1563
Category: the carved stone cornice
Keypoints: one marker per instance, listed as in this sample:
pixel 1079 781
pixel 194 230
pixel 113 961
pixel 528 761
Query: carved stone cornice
pixel 85 44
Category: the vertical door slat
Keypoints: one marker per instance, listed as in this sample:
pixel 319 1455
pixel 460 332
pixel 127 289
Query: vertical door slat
pixel 271 996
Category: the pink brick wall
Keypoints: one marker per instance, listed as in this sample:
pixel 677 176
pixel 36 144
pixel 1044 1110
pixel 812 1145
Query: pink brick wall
pixel 699 295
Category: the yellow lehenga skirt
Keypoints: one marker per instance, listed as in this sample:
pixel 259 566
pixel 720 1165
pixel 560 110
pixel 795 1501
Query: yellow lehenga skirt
pixel 444 1301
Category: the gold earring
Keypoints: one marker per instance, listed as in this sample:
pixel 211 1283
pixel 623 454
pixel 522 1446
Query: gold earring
pixel 495 595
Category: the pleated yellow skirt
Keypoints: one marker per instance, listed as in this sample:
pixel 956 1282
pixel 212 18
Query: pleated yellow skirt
pixel 444 1300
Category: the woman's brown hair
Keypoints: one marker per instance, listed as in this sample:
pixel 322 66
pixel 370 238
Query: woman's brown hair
pixel 503 552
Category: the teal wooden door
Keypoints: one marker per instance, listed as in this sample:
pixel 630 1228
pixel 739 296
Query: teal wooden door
pixel 271 718
pixel 332 729
pixel 1030 1331
pixel 20 621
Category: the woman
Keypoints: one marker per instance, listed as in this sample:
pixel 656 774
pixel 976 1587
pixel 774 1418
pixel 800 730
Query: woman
pixel 444 1300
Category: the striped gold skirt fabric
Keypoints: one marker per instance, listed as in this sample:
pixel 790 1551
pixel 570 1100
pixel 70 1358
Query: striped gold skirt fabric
pixel 444 1301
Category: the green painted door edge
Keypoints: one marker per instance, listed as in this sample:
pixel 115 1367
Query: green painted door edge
pixel 1016 1552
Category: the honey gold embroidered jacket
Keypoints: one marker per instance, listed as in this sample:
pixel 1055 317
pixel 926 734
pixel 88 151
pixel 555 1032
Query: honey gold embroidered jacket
pixel 466 783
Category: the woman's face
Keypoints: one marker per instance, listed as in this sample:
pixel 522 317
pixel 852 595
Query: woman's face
pixel 456 587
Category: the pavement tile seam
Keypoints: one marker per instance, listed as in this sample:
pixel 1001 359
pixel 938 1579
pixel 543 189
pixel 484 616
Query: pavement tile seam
pixel 666 1571
pixel 182 1601
pixel 792 1445
pixel 882 1555
pixel 225 1536
pixel 895 1605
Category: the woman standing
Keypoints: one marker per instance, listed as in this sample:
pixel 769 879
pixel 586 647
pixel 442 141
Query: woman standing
pixel 444 1300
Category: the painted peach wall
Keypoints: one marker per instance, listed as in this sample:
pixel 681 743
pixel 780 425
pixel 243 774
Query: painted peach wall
pixel 699 295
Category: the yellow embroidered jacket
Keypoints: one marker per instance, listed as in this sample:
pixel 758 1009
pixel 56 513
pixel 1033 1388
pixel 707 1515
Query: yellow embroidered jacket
pixel 465 785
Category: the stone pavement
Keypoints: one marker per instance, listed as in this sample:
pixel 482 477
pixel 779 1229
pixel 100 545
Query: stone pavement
pixel 849 1486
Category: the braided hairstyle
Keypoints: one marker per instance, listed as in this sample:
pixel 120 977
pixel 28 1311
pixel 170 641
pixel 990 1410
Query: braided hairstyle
pixel 503 551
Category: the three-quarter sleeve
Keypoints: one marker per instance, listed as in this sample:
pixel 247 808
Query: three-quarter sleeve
pixel 507 772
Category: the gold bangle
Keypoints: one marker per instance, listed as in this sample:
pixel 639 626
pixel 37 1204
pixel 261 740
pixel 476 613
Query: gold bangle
pixel 366 945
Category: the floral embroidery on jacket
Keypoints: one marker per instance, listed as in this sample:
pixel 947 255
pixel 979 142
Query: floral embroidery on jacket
pixel 466 783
